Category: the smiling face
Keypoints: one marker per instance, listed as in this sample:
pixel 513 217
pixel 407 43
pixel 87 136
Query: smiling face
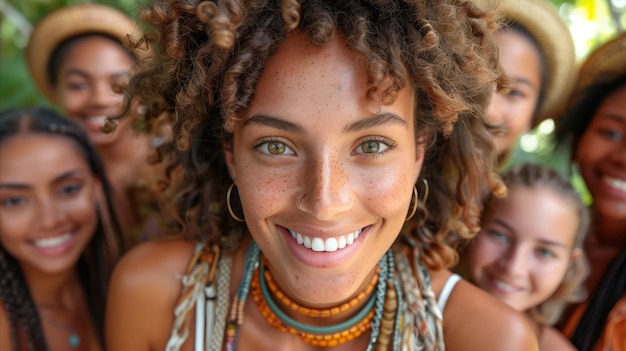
pixel 325 175
pixel 524 247
pixel 601 156
pixel 514 110
pixel 47 201
pixel 90 69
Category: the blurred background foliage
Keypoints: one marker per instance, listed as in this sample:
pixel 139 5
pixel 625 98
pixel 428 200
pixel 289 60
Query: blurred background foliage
pixel 591 22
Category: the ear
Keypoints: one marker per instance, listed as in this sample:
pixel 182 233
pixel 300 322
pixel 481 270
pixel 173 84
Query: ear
pixel 576 254
pixel 230 161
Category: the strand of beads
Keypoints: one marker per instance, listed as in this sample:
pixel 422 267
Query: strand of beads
pixel 235 320
pixel 312 312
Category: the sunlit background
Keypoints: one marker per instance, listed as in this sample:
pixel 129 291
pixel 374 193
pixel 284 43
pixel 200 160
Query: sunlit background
pixel 591 22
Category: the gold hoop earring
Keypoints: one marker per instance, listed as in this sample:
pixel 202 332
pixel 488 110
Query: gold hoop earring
pixel 230 209
pixel 413 205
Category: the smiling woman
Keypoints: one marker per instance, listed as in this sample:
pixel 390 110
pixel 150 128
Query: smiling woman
pixel 56 254
pixel 78 57
pixel 536 266
pixel 311 135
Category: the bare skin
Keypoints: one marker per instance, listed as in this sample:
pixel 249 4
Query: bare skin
pixel 300 168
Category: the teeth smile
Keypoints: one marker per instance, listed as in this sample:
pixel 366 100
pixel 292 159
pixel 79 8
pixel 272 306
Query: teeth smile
pixel 504 286
pixel 97 119
pixel 328 245
pixel 615 183
pixel 51 242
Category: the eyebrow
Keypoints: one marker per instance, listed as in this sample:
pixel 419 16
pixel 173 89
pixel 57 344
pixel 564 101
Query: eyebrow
pixel 85 75
pixel 523 81
pixel 56 180
pixel 614 117
pixel 376 120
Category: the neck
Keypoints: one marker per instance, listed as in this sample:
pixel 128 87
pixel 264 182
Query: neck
pixel 610 233
pixel 129 151
pixel 52 290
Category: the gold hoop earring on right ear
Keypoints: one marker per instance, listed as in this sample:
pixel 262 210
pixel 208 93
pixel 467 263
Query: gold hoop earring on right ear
pixel 230 209
pixel 414 203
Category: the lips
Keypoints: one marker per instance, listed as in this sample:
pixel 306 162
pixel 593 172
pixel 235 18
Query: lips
pixel 328 244
pixel 95 122
pixel 617 184
pixel 53 242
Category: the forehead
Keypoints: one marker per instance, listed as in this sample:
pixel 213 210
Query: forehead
pixel 537 212
pixel 307 79
pixel 95 49
pixel 517 53
pixel 35 156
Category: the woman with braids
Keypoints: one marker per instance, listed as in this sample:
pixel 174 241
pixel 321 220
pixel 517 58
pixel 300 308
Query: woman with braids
pixel 78 58
pixel 334 155
pixel 56 253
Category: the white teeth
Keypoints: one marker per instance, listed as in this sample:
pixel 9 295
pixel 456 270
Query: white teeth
pixel 97 119
pixel 350 239
pixel 615 183
pixel 341 243
pixel 327 245
pixel 51 242
pixel 504 286
pixel 317 244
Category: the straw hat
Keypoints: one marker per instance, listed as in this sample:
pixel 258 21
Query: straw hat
pixel 541 19
pixel 604 64
pixel 67 22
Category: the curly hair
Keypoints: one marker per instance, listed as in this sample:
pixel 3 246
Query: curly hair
pixel 95 264
pixel 571 288
pixel 208 56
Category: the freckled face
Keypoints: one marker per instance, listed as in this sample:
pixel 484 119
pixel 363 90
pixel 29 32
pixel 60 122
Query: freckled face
pixel 325 175
pixel 47 202
pixel 91 68
pixel 524 247
pixel 514 110
pixel 601 156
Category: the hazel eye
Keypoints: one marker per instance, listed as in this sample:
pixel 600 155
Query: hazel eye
pixel 374 146
pixel 274 147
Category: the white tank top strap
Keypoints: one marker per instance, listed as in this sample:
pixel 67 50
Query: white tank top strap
pixel 447 290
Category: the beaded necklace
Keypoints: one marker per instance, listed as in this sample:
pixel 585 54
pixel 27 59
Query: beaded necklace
pixel 384 300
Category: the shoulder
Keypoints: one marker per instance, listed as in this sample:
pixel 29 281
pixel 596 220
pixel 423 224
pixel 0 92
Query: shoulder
pixel 142 296
pixel 552 339
pixel 150 262
pixel 475 320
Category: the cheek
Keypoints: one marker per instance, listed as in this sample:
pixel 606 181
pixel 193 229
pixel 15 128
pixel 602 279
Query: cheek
pixel 71 102
pixel 483 252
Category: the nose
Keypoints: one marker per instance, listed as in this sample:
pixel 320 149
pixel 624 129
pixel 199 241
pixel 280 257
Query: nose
pixel 104 94
pixel 49 214
pixel 326 190
pixel 515 261
pixel 618 155
pixel 494 116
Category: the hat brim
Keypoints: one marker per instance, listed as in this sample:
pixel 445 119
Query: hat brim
pixel 604 64
pixel 541 19
pixel 68 22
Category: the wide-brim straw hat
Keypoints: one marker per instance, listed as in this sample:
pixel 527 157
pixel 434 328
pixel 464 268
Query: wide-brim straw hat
pixel 71 21
pixel 605 64
pixel 542 20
